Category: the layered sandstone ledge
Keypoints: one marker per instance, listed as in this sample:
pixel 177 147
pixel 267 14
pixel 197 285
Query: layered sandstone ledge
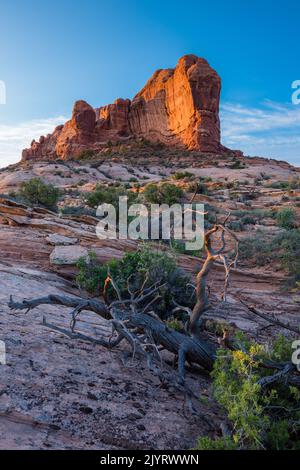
pixel 177 107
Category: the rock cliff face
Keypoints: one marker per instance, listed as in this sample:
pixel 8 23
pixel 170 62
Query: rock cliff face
pixel 176 107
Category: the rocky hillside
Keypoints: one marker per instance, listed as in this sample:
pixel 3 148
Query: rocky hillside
pixel 59 393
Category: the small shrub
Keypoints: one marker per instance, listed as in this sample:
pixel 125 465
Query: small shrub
pixel 163 193
pixel 175 324
pixel 262 418
pixel 289 246
pixel 200 187
pixel 284 185
pixel 248 220
pixel 35 191
pixel 178 246
pixel 235 225
pixel 286 218
pixel 86 155
pixel 180 175
pixel 91 274
pixel 283 247
pixel 77 211
pixel 155 264
pixel 237 165
pixel 109 194
pixel 254 214
pixel 294 183
pixel 220 443
pixel 257 251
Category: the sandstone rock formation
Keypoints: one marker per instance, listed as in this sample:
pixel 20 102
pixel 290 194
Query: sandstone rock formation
pixel 180 106
pixel 177 107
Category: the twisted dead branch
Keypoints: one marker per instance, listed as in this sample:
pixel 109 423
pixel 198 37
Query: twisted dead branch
pixel 212 256
pixel 269 318
pixel 133 320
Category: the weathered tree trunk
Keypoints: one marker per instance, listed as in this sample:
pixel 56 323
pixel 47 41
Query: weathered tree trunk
pixel 144 331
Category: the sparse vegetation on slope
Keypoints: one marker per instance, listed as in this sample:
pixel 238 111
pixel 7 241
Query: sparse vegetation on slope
pixel 36 192
pixel 163 193
pixel 286 218
pixel 109 194
pixel 156 265
pixel 284 247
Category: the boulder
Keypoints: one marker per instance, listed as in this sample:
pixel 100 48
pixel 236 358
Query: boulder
pixel 67 255
pixel 56 239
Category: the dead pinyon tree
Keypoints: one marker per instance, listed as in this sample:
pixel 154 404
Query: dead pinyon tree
pixel 133 321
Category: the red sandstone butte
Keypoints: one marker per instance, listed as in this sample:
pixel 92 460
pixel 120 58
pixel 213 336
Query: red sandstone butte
pixel 178 107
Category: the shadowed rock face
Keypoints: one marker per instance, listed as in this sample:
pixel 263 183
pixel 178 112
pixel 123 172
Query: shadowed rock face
pixel 178 107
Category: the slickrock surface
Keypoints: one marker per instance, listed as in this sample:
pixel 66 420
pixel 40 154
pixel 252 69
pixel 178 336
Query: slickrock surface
pixel 56 393
pixel 176 107
pixel 68 254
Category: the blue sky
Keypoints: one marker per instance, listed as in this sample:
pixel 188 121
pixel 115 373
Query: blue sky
pixel 55 52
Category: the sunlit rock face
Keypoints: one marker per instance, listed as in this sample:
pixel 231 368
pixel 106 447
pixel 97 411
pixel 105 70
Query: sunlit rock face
pixel 177 107
pixel 180 106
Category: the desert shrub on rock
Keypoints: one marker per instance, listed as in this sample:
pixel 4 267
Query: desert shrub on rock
pixel 180 175
pixel 36 192
pixel 77 211
pixel 237 165
pixel 283 248
pixel 219 443
pixel 86 154
pixel 147 263
pixel 109 194
pixel 261 417
pixel 235 225
pixel 289 244
pixel 286 218
pixel 163 193
pixel 200 187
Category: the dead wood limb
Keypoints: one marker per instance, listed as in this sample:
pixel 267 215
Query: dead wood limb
pixel 93 305
pixel 211 257
pixel 144 331
pixel 125 322
pixel 279 376
pixel 268 318
pixel 70 334
pixel 146 336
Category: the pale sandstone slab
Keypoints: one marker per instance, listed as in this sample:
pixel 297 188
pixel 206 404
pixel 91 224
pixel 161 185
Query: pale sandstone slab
pixel 55 239
pixel 67 255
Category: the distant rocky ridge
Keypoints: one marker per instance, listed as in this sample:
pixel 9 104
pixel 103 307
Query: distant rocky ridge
pixel 177 107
